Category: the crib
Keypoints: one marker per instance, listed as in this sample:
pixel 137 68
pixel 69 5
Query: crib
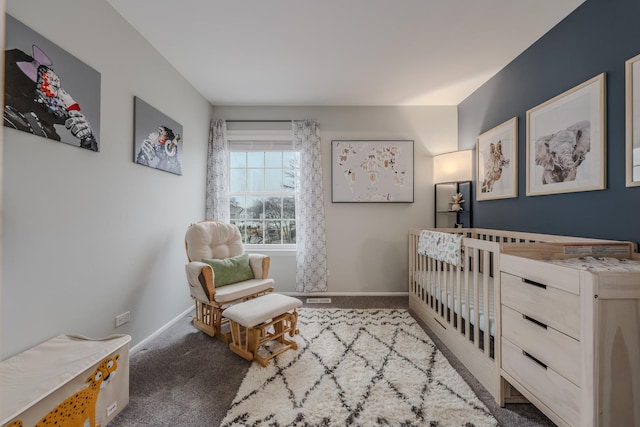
pixel 458 301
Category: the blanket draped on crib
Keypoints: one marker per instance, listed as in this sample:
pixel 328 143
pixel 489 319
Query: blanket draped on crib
pixel 441 246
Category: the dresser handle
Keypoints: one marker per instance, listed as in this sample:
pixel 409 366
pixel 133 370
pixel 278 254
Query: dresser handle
pixel 532 320
pixel 534 359
pixel 531 282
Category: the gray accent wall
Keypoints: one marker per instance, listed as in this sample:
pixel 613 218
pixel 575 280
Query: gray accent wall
pixel 597 37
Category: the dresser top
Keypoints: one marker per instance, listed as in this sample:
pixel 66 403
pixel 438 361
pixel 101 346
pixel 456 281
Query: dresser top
pixel 594 264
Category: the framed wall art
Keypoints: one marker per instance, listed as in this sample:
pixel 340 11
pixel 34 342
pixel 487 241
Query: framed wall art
pixel 157 139
pixel 632 70
pixel 497 157
pixel 48 91
pixel 566 150
pixel 372 171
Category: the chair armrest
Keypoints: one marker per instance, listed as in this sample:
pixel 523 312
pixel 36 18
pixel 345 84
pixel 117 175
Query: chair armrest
pixel 200 277
pixel 260 265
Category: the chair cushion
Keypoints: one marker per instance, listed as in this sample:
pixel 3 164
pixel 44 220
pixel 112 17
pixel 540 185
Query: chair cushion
pixel 213 240
pixel 242 290
pixel 230 270
pixel 259 310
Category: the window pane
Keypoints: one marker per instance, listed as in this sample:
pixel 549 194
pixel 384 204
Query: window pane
pixel 237 207
pixel 254 231
pixel 273 180
pixel 237 180
pixel 242 227
pixel 255 159
pixel 288 232
pixel 255 179
pixel 288 207
pixel 273 207
pixel 288 158
pixel 290 164
pixel 237 160
pixel 272 233
pixel 273 159
pixel 255 208
pixel 288 180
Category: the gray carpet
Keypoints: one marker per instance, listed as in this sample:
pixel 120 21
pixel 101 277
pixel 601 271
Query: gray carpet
pixel 186 378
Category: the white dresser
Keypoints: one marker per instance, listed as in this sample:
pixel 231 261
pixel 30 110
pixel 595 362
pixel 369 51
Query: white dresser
pixel 570 340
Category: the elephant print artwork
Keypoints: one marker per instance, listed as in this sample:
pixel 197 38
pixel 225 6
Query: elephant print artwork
pixel 561 153
pixel 566 141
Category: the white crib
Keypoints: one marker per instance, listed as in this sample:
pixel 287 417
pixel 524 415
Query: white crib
pixel 458 302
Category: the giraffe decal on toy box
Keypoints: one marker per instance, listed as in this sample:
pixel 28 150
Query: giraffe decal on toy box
pixel 79 410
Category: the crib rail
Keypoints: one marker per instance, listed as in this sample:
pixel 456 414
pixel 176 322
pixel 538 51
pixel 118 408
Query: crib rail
pixel 504 236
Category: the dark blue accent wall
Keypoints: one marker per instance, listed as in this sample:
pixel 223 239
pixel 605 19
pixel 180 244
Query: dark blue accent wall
pixel 599 36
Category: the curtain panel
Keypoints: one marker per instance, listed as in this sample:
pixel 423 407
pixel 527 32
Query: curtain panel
pixel 311 254
pixel 217 198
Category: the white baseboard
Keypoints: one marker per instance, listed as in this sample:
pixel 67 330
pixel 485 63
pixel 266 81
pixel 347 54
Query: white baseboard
pixel 346 294
pixel 142 343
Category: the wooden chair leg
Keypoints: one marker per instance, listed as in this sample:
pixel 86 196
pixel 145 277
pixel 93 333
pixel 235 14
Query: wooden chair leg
pixel 253 339
pixel 279 329
pixel 223 336
pixel 237 345
pixel 293 324
pixel 203 319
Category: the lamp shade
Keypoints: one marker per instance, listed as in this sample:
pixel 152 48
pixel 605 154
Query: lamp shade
pixel 454 166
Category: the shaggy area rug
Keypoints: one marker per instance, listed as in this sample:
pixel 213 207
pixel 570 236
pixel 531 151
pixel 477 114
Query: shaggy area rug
pixel 357 368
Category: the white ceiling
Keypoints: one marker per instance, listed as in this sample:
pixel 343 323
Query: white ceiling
pixel 341 52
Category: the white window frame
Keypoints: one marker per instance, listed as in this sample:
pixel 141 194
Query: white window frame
pixel 258 140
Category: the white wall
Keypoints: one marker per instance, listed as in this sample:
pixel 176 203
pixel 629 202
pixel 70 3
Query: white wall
pixel 366 242
pixel 90 235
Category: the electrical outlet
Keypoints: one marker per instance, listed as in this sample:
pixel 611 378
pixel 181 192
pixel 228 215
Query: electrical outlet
pixel 123 318
pixel 112 408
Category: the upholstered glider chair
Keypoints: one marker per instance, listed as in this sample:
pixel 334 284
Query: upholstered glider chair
pixel 220 273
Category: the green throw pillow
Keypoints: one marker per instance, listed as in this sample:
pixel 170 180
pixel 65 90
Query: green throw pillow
pixel 230 270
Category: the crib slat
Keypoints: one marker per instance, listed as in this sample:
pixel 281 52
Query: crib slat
pixel 439 287
pixel 446 293
pixel 475 299
pixel 429 283
pixel 412 264
pixel 485 305
pixel 467 295
pixel 443 289
pixel 458 297
pixel 423 277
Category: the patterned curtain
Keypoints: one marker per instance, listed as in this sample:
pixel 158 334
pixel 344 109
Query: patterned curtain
pixel 217 179
pixel 311 254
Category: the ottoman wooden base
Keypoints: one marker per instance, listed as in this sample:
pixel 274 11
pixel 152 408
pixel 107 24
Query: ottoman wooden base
pixel 259 321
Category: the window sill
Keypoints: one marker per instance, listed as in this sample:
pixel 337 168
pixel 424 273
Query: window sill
pixel 289 250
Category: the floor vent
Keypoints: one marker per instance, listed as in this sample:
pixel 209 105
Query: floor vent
pixel 318 300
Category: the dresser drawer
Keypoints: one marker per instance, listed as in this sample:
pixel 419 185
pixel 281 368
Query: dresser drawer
pixel 555 276
pixel 552 389
pixel 551 306
pixel 555 349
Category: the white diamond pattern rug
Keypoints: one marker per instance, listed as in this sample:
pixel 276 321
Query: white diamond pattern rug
pixel 373 367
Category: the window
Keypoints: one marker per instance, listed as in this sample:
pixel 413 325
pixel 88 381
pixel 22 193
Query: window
pixel 262 186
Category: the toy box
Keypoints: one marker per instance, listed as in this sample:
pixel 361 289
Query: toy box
pixel 69 380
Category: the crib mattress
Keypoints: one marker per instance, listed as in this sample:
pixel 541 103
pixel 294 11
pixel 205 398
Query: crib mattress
pixel 461 309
